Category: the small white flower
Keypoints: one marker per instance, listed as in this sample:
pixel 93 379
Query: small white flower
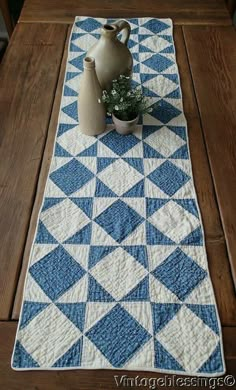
pixel 121 99
pixel 128 93
pixel 113 92
pixel 116 108
pixel 99 101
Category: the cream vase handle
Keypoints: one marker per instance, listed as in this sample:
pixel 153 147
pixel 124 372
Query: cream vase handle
pixel 125 26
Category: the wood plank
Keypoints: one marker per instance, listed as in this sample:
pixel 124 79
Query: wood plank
pixel 203 182
pixel 29 74
pixel 219 268
pixel 182 12
pixel 216 250
pixel 84 379
pixel 41 182
pixel 214 75
pixel 201 170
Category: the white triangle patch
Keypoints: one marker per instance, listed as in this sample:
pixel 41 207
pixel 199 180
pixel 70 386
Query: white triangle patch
pixel 159 293
pixel 77 293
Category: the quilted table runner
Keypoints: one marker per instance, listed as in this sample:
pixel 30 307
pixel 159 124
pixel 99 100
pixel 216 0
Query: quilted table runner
pixel 118 275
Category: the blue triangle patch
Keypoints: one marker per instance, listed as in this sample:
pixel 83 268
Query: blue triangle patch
pixel 131 43
pixel 155 25
pixel 172 77
pixel 137 191
pixel 75 312
pixel 135 30
pixel 71 75
pixel 91 151
pixel 30 310
pixel 61 152
pixel 63 128
pixel 181 153
pixel 147 76
pixel 189 205
pixel 168 50
pixel 96 293
pixel 97 253
pixel 208 315
pixel 155 237
pixel 174 94
pixel 164 360
pixel 136 68
pixel 164 111
pixel 75 36
pixel 135 84
pixel 85 204
pixel 148 92
pixel 194 238
pixel 134 21
pixel 149 152
pixel 71 110
pixel 77 62
pixel 139 252
pixel 139 292
pixel 69 91
pixel 50 202
pixel 148 130
pixel 179 130
pixel 136 56
pixel 102 191
pixel 74 48
pixel 141 37
pixel 81 237
pixel 88 24
pixel 103 162
pixel 136 163
pixel 22 358
pixel 43 236
pixel 144 49
pixel 214 363
pixel 162 313
pixel 154 204
pixel 72 357
pixel 167 38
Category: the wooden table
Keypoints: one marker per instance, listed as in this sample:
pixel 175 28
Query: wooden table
pixel 31 78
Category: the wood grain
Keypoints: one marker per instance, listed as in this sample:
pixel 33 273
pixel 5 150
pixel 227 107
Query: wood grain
pixel 84 379
pixel 29 74
pixel 182 12
pixel 217 254
pixel 201 170
pixel 213 70
pixel 46 160
pixel 219 268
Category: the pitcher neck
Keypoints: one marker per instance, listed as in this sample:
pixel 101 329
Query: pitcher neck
pixel 109 31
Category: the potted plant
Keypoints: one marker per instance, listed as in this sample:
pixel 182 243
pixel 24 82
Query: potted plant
pixel 125 104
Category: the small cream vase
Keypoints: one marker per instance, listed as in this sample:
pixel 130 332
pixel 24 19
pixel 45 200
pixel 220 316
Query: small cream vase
pixel 92 113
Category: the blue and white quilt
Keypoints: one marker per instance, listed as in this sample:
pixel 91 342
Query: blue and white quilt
pixel 118 275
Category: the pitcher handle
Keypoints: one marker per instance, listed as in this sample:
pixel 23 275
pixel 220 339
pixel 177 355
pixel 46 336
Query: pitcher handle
pixel 124 26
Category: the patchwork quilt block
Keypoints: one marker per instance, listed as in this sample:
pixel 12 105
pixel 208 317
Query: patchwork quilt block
pixel 118 275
